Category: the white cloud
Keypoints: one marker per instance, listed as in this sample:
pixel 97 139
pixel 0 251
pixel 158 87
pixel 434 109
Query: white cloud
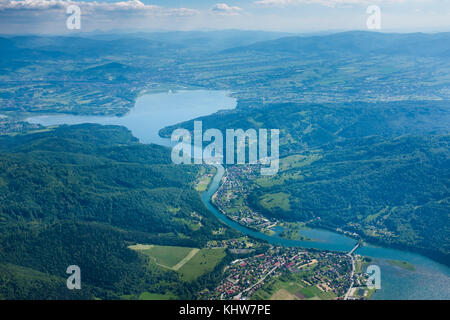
pixel 92 7
pixel 49 16
pixel 329 3
pixel 224 9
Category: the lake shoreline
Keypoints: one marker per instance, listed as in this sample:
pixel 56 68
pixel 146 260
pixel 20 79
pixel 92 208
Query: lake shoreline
pixel 445 261
pixel 155 111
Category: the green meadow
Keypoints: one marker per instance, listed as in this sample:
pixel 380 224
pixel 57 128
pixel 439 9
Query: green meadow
pixel 164 256
pixel 276 200
pixel 291 289
pixel 190 263
pixel 202 262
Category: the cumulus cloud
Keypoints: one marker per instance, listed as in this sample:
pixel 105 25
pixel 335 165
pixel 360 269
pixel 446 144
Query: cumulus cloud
pixel 49 16
pixel 328 3
pixel 92 7
pixel 224 9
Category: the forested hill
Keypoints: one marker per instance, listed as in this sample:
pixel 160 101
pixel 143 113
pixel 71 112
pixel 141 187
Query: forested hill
pixel 378 169
pixel 80 195
pixel 353 43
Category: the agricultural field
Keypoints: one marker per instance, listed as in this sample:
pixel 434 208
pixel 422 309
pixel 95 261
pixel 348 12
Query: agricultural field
pixel 280 179
pixel 189 263
pixel 276 200
pixel 291 289
pixel 298 161
pixel 202 262
pixel 205 177
pixel 289 170
pixel 169 257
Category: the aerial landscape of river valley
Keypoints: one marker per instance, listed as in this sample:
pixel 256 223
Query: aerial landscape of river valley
pixel 224 164
pixel 428 280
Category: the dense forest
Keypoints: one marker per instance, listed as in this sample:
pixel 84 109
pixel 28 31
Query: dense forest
pixel 364 123
pixel 80 195
pixel 378 169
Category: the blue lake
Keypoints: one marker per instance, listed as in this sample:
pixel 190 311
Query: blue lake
pixel 152 112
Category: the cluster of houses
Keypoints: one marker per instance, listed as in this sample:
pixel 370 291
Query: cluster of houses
pixel 333 273
pixel 243 277
pixel 231 199
pixel 235 243
pixel 13 126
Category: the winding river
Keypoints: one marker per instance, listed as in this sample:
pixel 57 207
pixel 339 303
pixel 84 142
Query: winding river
pixel 429 280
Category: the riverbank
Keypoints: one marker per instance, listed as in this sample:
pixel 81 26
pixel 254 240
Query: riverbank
pixel 430 280
pixel 372 241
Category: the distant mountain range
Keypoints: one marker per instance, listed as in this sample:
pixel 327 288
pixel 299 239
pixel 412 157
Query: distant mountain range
pixel 355 43
pixel 228 42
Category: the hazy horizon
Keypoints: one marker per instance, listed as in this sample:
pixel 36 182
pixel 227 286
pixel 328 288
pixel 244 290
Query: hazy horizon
pixel 206 31
pixel 292 16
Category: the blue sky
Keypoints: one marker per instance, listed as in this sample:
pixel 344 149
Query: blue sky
pixel 303 16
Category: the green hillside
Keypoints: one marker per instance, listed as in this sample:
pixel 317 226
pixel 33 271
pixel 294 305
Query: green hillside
pixel 378 169
pixel 81 195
